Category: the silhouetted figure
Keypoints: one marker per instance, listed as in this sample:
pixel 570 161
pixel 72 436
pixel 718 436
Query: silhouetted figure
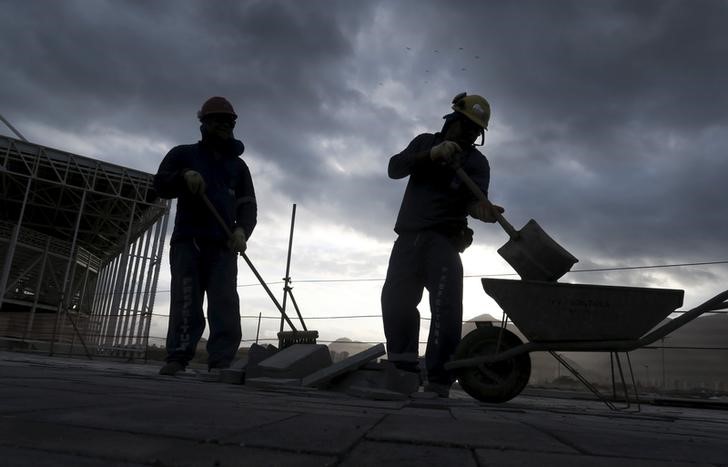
pixel 203 260
pixel 433 230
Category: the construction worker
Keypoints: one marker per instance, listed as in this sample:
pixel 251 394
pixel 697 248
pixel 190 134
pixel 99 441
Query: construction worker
pixel 432 230
pixel 203 260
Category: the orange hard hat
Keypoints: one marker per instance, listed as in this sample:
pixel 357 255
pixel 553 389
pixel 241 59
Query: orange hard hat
pixel 216 105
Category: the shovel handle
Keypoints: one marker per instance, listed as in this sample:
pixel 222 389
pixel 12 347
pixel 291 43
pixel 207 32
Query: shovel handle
pixel 225 227
pixel 475 189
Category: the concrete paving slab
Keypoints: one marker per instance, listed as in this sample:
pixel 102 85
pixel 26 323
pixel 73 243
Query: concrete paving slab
pixel 201 420
pixel 238 456
pixel 272 383
pixel 419 412
pixel 611 441
pixel 232 376
pixel 74 443
pixel 376 394
pixel 322 377
pixel 296 361
pixel 85 442
pixel 182 421
pixel 21 400
pixel 309 433
pixel 373 454
pixel 465 433
pixel 21 457
pixel 508 458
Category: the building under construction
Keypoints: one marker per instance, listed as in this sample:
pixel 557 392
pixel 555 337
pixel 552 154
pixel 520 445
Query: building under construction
pixel 81 245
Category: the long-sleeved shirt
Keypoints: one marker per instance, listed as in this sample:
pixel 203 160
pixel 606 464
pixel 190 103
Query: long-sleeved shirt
pixel 435 197
pixel 228 186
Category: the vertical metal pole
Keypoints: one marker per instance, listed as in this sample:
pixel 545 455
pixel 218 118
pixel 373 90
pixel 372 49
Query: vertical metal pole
pixel 100 300
pixel 110 321
pixel 286 280
pixel 38 286
pixel 663 363
pixel 158 250
pixel 11 246
pixel 132 299
pixel 120 286
pixel 257 332
pixel 108 298
pixel 71 258
pixel 137 325
pixel 81 299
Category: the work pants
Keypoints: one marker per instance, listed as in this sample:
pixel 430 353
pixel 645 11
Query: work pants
pixel 423 260
pixel 200 268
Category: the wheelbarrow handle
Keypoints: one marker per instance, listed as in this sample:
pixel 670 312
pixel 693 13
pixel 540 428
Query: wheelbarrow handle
pixel 225 227
pixel 475 189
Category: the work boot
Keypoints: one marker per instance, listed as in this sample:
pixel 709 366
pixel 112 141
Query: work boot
pixel 172 368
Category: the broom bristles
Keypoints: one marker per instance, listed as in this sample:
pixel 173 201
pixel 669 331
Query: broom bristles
pixel 288 338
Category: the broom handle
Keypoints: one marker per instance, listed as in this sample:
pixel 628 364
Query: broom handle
pixel 475 189
pixel 222 223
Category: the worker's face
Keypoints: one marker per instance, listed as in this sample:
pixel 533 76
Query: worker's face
pixel 219 126
pixel 464 132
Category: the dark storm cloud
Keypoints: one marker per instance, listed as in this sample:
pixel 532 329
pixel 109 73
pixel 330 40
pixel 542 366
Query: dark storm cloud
pixel 609 121
pixel 141 65
pixel 617 111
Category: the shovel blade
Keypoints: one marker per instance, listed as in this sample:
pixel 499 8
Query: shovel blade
pixel 536 256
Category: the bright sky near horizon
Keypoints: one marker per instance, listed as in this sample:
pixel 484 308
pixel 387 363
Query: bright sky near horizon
pixel 609 126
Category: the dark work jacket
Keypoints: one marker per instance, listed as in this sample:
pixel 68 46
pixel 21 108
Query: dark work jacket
pixel 228 186
pixel 435 197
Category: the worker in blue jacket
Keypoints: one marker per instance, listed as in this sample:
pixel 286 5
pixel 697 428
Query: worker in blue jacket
pixel 203 260
pixel 432 231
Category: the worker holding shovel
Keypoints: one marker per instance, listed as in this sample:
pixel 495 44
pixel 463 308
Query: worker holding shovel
pixel 432 230
pixel 203 257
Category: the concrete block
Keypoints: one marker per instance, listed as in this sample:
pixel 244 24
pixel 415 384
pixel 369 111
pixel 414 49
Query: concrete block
pixel 256 354
pixel 324 376
pixel 385 376
pixel 296 361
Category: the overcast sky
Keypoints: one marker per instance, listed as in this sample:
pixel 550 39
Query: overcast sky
pixel 609 125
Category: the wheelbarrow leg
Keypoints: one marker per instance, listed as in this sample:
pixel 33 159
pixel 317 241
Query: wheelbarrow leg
pixel 615 356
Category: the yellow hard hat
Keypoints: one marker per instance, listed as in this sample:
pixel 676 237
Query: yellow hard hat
pixel 475 107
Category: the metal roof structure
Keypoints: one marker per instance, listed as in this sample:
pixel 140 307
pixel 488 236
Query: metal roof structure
pixel 80 249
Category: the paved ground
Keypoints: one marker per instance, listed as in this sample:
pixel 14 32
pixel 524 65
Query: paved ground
pixel 62 412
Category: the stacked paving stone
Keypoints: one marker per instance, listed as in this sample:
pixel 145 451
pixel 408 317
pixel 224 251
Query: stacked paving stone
pixel 309 366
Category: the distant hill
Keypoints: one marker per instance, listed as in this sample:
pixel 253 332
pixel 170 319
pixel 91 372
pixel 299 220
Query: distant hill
pixel 344 347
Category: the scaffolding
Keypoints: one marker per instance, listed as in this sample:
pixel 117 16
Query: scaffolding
pixel 81 245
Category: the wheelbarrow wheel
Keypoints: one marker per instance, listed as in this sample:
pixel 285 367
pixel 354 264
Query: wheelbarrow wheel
pixel 492 382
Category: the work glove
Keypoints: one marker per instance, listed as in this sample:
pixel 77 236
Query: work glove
pixel 237 241
pixel 195 182
pixel 445 152
pixel 485 211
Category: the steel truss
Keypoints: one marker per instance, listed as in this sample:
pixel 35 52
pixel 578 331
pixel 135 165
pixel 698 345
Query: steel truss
pixel 81 245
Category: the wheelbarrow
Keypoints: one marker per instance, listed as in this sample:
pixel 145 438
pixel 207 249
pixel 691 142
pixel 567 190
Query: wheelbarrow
pixel 492 363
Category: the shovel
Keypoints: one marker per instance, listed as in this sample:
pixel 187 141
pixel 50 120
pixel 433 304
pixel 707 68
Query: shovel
pixel 531 252
pixel 286 338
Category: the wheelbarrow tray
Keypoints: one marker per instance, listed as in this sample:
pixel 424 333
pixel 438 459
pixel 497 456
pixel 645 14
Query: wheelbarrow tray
pixel 551 311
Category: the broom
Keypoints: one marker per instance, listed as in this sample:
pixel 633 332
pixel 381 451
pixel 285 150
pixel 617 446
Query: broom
pixel 285 338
